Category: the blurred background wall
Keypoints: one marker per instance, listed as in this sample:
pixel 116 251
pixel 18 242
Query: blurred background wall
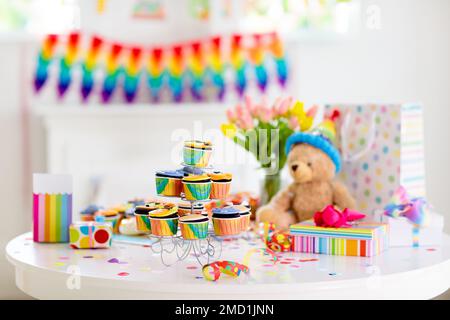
pixel 406 59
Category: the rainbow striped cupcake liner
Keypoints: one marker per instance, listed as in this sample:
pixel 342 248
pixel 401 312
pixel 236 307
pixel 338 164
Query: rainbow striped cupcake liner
pixel 169 187
pixel 197 191
pixel 143 223
pixel 227 227
pixel 164 227
pixel 196 157
pixel 193 231
pixel 220 190
pixel 245 222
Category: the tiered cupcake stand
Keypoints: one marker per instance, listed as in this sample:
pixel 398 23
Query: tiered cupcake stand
pixel 173 249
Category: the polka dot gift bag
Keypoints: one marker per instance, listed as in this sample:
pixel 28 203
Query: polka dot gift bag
pixel 382 148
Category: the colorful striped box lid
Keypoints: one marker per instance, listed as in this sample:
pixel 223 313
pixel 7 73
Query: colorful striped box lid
pixel 362 230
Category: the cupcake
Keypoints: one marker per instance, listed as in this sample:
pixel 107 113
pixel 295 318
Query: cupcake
pixel 168 183
pixel 226 221
pixel 141 214
pixel 197 187
pixel 197 153
pixel 194 226
pixel 220 185
pixel 164 222
pixel 110 216
pixel 128 225
pixel 185 208
pixel 88 214
pixel 245 213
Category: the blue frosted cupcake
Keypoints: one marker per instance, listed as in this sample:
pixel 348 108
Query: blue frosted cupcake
pixel 168 183
pixel 226 221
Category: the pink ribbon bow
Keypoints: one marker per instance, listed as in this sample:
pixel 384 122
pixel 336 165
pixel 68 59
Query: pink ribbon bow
pixel 330 217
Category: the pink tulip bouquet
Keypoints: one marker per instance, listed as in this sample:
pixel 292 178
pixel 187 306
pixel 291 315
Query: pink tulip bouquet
pixel 263 129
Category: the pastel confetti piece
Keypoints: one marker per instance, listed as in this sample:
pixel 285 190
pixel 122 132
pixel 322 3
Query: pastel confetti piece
pixel 123 274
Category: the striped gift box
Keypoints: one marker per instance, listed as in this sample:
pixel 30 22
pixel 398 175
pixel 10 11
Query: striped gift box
pixel 362 240
pixel 52 207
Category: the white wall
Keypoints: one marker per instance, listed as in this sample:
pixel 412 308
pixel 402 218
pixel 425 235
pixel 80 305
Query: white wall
pixel 406 61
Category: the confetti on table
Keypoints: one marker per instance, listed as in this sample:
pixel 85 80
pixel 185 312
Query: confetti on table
pixel 431 249
pixel 88 257
pixel 123 274
pixel 213 270
pixel 63 258
pixel 308 260
pixel 191 267
pixel 60 264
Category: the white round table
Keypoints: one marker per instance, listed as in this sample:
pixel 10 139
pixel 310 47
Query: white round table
pixel 125 271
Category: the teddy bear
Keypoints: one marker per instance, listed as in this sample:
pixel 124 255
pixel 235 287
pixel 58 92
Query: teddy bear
pixel 313 162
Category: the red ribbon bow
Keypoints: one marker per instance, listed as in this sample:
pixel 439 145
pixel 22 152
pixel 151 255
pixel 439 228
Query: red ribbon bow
pixel 330 217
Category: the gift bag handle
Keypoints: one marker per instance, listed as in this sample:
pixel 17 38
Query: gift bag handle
pixel 347 157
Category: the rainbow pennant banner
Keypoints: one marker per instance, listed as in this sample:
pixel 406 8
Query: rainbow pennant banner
pixel 65 77
pixel 257 58
pixel 193 70
pixel 89 64
pixel 175 68
pixel 112 72
pixel 52 207
pixel 45 57
pixel 216 67
pixel 238 62
pixel 197 69
pixel 276 48
pixel 132 74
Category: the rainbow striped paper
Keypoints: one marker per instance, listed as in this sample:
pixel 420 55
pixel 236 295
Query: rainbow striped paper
pixel 52 207
pixel 361 240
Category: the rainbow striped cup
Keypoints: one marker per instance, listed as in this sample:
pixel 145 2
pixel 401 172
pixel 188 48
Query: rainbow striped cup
pixel 168 183
pixel 197 187
pixel 164 227
pixel 197 153
pixel 226 221
pixel 194 227
pixel 143 221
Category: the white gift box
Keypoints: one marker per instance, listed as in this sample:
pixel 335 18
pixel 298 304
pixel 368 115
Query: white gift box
pixel 401 231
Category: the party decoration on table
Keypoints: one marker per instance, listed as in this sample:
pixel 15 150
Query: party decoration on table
pixel 213 271
pixel 66 63
pixel 190 71
pixel 101 6
pixel 416 210
pixel 87 81
pixel 382 147
pixel 112 72
pixel 364 239
pixel 313 162
pixel 46 54
pixel 52 207
pixel 90 235
pixel 279 242
pixel 264 252
pixel 332 217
